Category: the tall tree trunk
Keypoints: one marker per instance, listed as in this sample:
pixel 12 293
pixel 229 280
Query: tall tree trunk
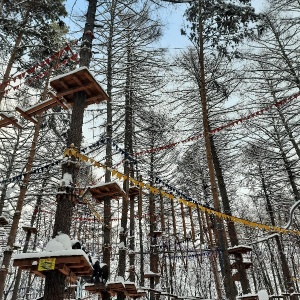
pixel 230 224
pixel 9 170
pixel 229 285
pixel 283 260
pixel 108 160
pixel 17 215
pixel 55 280
pixel 140 213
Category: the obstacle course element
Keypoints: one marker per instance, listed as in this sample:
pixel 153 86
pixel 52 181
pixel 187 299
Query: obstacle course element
pixel 40 108
pixel 109 189
pixel 240 249
pixel 79 80
pixel 69 265
pixel 9 120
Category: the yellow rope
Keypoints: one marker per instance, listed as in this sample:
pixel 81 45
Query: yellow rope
pixel 69 152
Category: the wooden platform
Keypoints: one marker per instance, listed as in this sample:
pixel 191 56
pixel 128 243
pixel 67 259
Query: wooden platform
pixel 151 275
pixel 133 191
pixel 40 108
pixel 248 297
pixel 3 221
pixel 30 229
pixel 114 287
pixel 110 189
pixel 71 266
pixel 79 80
pixel 239 250
pixel 9 120
pixel 95 288
pixel 157 233
pixel 247 265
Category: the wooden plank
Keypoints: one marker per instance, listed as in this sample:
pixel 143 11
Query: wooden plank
pixel 67 272
pixel 7 120
pixel 30 229
pixel 38 273
pixel 25 115
pixel 75 90
pixel 58 101
pixel 239 249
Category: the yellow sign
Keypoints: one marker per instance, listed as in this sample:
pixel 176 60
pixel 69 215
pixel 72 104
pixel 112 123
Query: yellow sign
pixel 46 264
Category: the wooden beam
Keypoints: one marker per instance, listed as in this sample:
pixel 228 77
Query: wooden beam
pixel 74 90
pixel 25 115
pixel 67 272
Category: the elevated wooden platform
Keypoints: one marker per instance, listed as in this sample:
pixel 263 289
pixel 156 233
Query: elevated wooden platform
pixel 71 266
pixel 157 233
pixel 40 108
pixel 239 249
pixel 248 297
pixel 151 275
pixel 130 288
pixel 9 120
pixel 110 189
pixel 115 287
pixel 95 288
pixel 133 191
pixel 30 229
pixel 79 80
pixel 247 265
pixel 3 221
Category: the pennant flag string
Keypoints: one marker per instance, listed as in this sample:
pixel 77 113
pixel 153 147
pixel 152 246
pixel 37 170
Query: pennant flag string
pixel 218 129
pixel 74 57
pixel 32 172
pixel 45 62
pixel 44 168
pixel 69 152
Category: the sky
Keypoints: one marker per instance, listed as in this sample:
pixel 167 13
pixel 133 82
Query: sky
pixel 172 16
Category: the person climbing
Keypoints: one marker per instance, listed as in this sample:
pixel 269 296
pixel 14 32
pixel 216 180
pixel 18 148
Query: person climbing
pixel 104 273
pixel 97 272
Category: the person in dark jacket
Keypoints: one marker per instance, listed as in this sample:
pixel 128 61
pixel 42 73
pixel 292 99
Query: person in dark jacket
pixel 104 274
pixel 97 272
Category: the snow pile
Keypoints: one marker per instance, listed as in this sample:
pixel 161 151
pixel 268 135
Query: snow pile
pixel 66 180
pixel 262 295
pixel 60 242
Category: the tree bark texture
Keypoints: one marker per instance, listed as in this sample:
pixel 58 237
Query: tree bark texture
pixel 230 288
pixel 55 281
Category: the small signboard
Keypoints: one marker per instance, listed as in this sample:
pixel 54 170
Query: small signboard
pixel 46 264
